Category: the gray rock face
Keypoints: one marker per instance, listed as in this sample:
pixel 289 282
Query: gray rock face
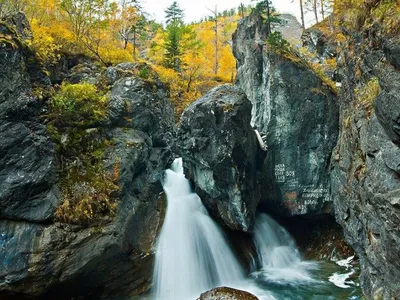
pixel 219 147
pixel 27 157
pixel 365 176
pixel 299 116
pixel 289 27
pixel 46 260
pixel 316 41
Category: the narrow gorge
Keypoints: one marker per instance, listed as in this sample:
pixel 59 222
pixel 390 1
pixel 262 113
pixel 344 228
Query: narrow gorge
pixel 283 184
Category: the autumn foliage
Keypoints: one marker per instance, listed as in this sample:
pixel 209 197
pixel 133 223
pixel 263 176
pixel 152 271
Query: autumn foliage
pixel 120 31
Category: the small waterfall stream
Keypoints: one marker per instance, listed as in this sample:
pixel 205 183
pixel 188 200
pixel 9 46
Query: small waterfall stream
pixel 193 255
pixel 279 259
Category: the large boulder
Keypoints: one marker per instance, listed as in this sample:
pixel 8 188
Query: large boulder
pixel 219 149
pixel 298 113
pixel 47 259
pixel 226 293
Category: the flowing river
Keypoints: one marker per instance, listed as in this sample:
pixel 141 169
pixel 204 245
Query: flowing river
pixel 193 256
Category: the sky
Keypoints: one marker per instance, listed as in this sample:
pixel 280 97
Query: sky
pixel 197 9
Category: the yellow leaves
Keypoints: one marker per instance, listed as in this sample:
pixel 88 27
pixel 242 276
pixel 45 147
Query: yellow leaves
pixel 226 61
pixel 227 69
pixel 340 38
pixel 44 45
pixel 113 55
pixel 368 92
pixel 387 13
pixel 156 53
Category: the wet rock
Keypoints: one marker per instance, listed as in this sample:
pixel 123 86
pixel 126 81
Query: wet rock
pixel 319 237
pixel 219 147
pixel 225 293
pixel 365 178
pixel 299 116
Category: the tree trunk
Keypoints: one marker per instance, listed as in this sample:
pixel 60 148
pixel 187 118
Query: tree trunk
pixel 268 18
pixel 302 14
pixel 134 44
pixel 216 64
pixel 322 9
pixel 315 10
pixel 242 10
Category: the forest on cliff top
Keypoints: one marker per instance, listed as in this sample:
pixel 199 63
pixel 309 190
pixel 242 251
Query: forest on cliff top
pixel 190 58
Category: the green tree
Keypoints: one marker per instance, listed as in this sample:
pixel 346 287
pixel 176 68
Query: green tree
pixel 138 30
pixel 271 16
pixel 173 51
pixel 174 14
pixel 175 32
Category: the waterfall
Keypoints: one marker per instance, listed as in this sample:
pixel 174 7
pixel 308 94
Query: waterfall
pixel 192 253
pixel 278 258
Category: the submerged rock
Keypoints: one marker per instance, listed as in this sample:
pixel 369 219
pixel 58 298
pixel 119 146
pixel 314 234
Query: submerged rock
pixel 298 114
pixel 219 149
pixel 226 293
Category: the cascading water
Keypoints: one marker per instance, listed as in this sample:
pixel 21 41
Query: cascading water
pixel 192 254
pixel 278 256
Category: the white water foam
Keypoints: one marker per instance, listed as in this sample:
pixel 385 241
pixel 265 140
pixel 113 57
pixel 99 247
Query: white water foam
pixel 278 256
pixel 340 280
pixel 192 253
pixel 346 262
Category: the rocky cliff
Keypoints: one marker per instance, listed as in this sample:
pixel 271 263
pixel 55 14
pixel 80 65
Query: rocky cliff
pixel 299 116
pixel 326 149
pixel 43 252
pixel 365 176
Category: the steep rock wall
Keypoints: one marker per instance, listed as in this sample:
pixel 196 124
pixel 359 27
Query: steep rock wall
pixel 365 176
pixel 45 259
pixel 299 116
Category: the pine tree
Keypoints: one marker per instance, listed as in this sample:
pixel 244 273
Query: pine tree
pixel 173 51
pixel 175 29
pixel 174 14
pixel 265 6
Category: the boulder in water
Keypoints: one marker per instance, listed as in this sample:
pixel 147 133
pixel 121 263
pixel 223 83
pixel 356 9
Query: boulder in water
pixel 219 148
pixel 226 293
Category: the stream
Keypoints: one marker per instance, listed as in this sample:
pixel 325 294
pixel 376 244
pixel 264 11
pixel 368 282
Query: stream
pixel 193 256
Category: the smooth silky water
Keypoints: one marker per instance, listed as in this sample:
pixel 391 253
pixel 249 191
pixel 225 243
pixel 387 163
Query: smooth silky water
pixel 193 256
